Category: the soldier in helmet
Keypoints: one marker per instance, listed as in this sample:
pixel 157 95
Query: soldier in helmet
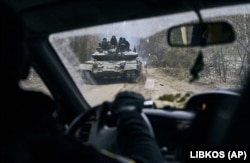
pixel 124 46
pixel 113 41
pixel 104 44
pixel 127 45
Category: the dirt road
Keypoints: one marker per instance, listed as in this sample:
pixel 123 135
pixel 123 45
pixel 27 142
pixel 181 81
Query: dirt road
pixel 153 84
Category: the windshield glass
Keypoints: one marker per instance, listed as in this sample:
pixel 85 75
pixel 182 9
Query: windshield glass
pixel 134 55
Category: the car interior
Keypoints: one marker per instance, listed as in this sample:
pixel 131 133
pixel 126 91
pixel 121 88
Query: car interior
pixel 215 119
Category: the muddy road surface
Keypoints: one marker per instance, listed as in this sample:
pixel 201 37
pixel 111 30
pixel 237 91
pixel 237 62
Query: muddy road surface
pixel 154 83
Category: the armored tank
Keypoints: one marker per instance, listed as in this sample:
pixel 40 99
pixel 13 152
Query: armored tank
pixel 112 63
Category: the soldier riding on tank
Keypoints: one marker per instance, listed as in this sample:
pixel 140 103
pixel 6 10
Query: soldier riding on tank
pixel 110 62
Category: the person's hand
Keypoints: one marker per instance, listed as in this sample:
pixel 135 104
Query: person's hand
pixel 127 101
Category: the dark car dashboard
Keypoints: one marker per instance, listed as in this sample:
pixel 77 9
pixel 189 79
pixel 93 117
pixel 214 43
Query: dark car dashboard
pixel 171 127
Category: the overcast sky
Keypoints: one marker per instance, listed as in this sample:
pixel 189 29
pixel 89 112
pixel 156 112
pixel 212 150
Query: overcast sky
pixel 147 27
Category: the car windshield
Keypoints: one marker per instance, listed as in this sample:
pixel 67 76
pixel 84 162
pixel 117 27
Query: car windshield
pixel 140 59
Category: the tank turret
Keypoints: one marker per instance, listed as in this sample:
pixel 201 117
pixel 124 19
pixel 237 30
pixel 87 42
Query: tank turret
pixel 113 62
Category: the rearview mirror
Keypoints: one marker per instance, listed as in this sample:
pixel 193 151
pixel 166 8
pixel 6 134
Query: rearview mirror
pixel 201 34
